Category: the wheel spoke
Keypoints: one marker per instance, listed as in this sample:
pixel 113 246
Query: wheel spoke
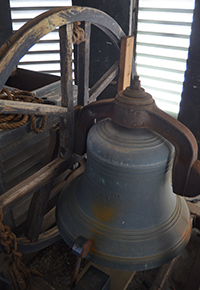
pixel 67 122
pixel 83 67
pixel 103 82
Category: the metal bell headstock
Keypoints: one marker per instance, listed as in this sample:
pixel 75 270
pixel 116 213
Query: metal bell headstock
pixel 134 108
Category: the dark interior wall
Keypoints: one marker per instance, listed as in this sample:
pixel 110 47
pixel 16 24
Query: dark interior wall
pixel 103 53
pixel 117 9
pixel 190 104
pixel 5 21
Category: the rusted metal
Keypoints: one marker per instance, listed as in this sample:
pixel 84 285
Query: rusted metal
pixel 81 249
pixel 140 111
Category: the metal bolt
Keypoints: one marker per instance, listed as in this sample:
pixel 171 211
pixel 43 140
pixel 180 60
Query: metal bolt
pixel 135 83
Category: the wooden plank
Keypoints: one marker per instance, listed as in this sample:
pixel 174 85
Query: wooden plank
pixel 40 284
pixel 33 183
pixel 39 202
pixel 194 208
pixel 103 82
pixel 67 122
pixel 125 64
pixel 164 275
pixel 83 66
pixel 52 149
pixel 49 219
pixel 13 107
pixel 120 280
pixel 45 239
pixel 193 281
pixel 37 211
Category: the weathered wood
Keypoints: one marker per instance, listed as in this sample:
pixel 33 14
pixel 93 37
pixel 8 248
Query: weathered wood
pixel 40 284
pixel 52 149
pixel 83 67
pixel 30 33
pixel 125 64
pixel 20 211
pixel 164 275
pixel 51 91
pixel 120 280
pixel 39 202
pixel 45 239
pixel 37 211
pixel 193 281
pixel 67 122
pixel 194 208
pixel 49 219
pixel 103 82
pixel 33 183
pixel 13 107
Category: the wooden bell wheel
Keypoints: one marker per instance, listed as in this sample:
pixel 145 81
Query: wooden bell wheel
pixel 10 54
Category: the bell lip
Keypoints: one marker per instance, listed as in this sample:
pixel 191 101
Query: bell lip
pixel 124 263
pixel 140 264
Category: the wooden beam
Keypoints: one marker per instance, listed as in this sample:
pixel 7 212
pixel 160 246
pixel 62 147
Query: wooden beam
pixel 67 123
pixel 33 183
pixel 83 66
pixel 25 246
pixel 13 107
pixel 103 82
pixel 125 64
pixel 36 212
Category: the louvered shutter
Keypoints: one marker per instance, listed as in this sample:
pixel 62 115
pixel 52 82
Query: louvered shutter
pixel 43 56
pixel 164 29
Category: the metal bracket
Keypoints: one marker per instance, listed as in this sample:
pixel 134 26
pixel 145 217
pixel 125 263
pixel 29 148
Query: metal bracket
pixel 80 248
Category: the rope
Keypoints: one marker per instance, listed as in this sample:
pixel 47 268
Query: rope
pixel 14 121
pixel 20 275
pixel 78 33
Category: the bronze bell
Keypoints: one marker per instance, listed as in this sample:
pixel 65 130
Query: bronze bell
pixel 124 202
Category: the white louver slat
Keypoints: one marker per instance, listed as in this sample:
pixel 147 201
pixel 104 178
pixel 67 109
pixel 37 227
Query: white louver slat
pixel 43 56
pixel 164 29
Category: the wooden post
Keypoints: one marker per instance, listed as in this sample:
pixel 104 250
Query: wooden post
pixel 37 211
pixel 125 64
pixel 83 67
pixel 67 122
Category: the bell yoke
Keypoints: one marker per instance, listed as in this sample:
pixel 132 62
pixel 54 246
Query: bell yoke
pixel 124 202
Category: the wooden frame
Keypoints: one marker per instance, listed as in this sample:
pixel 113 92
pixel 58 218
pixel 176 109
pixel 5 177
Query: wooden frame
pixel 10 53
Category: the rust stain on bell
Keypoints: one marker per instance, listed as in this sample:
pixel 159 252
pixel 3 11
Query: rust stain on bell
pixel 103 213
